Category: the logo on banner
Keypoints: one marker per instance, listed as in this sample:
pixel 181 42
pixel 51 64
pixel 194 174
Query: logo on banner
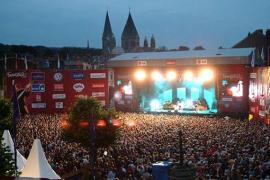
pixel 101 85
pixel 77 75
pixel 38 105
pixel 201 61
pixel 38 87
pixel 38 97
pixel 38 76
pixel 98 94
pixel 78 87
pixel 141 63
pixel 59 96
pixel 58 87
pixel 58 76
pixel 16 75
pixel 97 75
pixel 170 62
pixel 59 105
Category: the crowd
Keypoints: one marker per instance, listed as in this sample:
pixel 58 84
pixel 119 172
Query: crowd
pixel 219 148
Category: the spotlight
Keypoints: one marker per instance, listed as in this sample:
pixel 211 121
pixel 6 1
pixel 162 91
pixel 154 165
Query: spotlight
pixel 154 105
pixel 206 75
pixel 171 75
pixel 188 76
pixel 157 76
pixel 140 75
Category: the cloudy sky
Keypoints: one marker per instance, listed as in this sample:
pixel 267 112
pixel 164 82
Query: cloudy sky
pixel 57 23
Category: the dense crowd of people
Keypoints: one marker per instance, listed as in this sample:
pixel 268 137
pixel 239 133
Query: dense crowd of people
pixel 219 148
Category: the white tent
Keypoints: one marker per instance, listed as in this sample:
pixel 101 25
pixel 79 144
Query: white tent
pixel 37 165
pixel 8 142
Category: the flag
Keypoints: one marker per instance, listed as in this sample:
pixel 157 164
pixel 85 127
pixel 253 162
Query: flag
pixel 58 62
pixel 252 63
pixel 16 63
pixel 25 63
pixel 15 105
pixel 262 55
pixel 5 62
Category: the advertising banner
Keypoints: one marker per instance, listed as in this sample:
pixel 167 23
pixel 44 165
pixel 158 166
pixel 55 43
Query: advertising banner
pixel 53 91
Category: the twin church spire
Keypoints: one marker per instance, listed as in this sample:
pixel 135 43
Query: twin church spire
pixel 130 39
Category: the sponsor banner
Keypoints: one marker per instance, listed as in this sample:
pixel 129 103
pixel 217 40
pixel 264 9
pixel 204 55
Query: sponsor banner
pixel 59 96
pixel 227 99
pixel 38 76
pixel 38 98
pixel 80 96
pixel 38 105
pixel 38 87
pixel 141 63
pixel 98 94
pixel 58 76
pixel 58 87
pixel 77 75
pixel 16 74
pixel 253 75
pixel 59 105
pixel 97 75
pixel 99 85
pixel 201 61
pixel 170 62
pixel 78 87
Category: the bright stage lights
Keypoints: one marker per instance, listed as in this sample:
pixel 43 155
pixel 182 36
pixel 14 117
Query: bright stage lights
pixel 206 75
pixel 171 75
pixel 140 75
pixel 155 105
pixel 188 76
pixel 157 76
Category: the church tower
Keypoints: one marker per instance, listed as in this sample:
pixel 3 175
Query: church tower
pixel 153 43
pixel 108 39
pixel 130 40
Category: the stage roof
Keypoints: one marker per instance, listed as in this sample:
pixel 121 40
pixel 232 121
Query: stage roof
pixel 183 58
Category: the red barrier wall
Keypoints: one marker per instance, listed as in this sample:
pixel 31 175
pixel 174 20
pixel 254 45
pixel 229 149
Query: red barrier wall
pixel 55 91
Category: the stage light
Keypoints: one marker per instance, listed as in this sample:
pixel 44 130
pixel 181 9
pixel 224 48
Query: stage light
pixel 188 76
pixel 101 123
pixel 140 75
pixel 116 122
pixel 117 95
pixel 157 76
pixel 206 75
pixel 154 105
pixel 171 75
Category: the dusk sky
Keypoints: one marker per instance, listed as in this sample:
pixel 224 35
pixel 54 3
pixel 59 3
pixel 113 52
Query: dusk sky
pixel 58 23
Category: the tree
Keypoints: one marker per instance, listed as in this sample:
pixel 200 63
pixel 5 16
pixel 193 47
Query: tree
pixel 5 115
pixel 183 48
pixel 7 164
pixel 84 112
pixel 199 48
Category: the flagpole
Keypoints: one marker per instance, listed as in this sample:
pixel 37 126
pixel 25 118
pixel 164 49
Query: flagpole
pixel 15 116
pixel 25 63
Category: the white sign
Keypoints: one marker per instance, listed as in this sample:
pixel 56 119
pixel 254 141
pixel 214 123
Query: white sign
pixel 59 96
pixel 78 87
pixel 38 105
pixel 227 99
pixel 97 75
pixel 253 75
pixel 16 75
pixel 59 105
pixel 98 94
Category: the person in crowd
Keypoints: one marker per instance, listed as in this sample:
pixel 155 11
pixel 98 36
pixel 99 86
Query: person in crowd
pixel 218 148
